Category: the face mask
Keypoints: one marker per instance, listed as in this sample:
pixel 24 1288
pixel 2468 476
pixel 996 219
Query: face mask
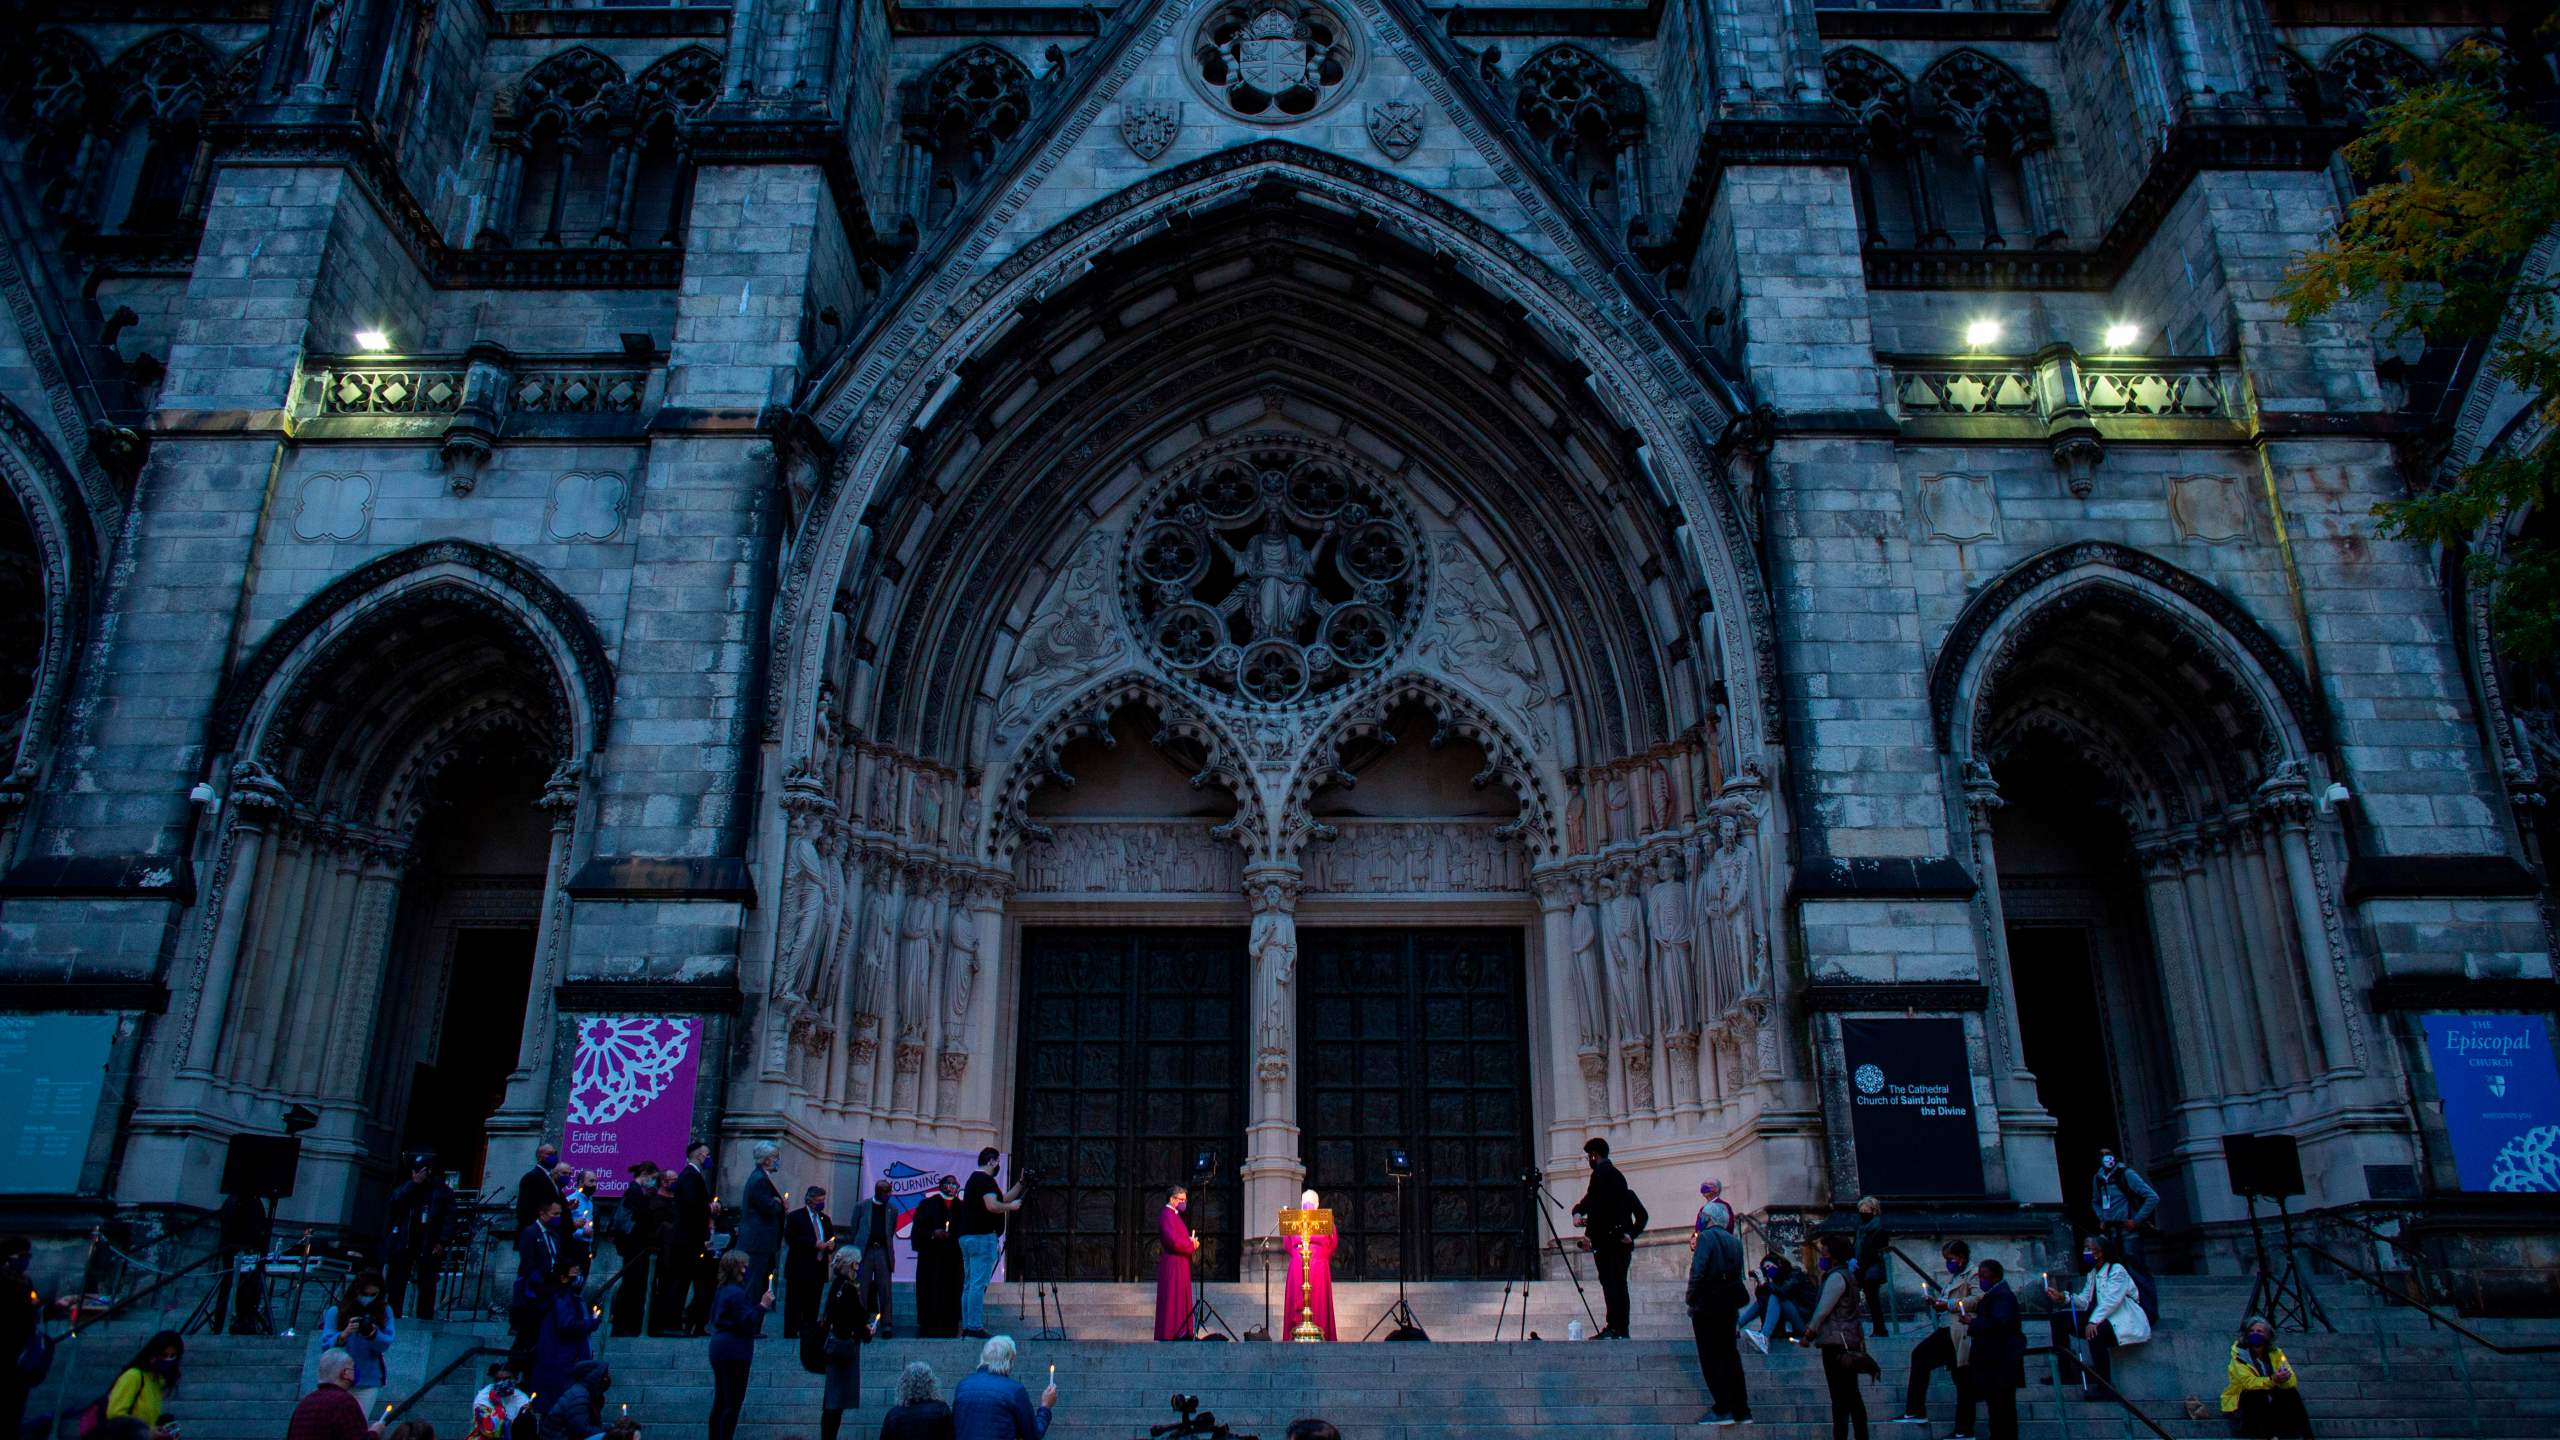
pixel 1769 1270
pixel 2106 1162
pixel 1181 1205
pixel 1823 1264
pixel 2088 1257
pixel 881 1194
pixel 2256 1341
pixel 1955 1267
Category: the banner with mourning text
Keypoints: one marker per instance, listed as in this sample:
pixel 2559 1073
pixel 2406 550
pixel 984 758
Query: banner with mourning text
pixel 911 1171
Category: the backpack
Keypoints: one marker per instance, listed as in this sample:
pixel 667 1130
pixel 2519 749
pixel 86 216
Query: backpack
pixel 623 1223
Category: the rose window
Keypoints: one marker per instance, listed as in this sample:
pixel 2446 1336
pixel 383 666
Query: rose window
pixel 1273 60
pixel 1271 570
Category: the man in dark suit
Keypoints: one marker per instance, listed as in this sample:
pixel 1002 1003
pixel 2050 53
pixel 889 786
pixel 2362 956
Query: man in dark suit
pixel 1997 1353
pixel 414 1234
pixel 758 1231
pixel 684 1288
pixel 538 1252
pixel 1611 1218
pixel 808 1242
pixel 539 1187
pixel 873 1225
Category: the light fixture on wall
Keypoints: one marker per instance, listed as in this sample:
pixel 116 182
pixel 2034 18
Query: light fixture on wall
pixel 2121 337
pixel 1982 334
pixel 373 342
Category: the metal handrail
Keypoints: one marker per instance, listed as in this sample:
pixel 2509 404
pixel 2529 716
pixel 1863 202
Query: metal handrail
pixel 2395 1297
pixel 407 1402
pixel 2106 1388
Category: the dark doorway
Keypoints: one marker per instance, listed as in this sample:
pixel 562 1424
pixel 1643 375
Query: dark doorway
pixel 2058 1019
pixel 1417 1039
pixel 1132 1062
pixel 452 1098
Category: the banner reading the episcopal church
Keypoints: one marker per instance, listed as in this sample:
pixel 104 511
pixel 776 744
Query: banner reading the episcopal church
pixel 911 1169
pixel 1911 1107
pixel 2501 1096
pixel 631 1095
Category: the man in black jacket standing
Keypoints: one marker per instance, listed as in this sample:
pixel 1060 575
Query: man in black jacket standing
pixel 1997 1354
pixel 685 1290
pixel 808 1242
pixel 414 1234
pixel 1716 1295
pixel 1611 1218
pixel 873 1225
pixel 540 1186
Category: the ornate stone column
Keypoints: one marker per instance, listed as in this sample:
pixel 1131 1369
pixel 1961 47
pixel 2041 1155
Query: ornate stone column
pixel 2264 930
pixel 528 1099
pixel 2288 797
pixel 1553 1012
pixel 2191 1036
pixel 379 867
pixel 1273 1170
pixel 2015 1083
pixel 984 1001
pixel 1675 975
pixel 2218 960
pixel 257 803
pixel 1630 993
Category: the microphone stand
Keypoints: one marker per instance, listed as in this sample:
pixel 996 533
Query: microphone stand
pixel 1539 1186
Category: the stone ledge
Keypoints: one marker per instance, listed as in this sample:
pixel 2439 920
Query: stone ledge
pixel 103 877
pixel 148 997
pixel 2433 877
pixel 664 877
pixel 646 997
pixel 2454 992
pixel 1832 997
pixel 1937 877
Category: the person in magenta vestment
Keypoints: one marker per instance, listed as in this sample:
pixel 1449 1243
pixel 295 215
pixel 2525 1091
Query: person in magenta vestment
pixel 1173 1268
pixel 1320 1251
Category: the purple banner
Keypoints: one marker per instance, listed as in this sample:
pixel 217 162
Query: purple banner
pixel 630 1095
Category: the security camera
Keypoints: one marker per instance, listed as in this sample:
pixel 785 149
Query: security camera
pixel 204 795
pixel 2333 797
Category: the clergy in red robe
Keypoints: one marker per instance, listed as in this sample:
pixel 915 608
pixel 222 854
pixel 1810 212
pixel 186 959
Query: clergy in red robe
pixel 1173 1268
pixel 1318 1257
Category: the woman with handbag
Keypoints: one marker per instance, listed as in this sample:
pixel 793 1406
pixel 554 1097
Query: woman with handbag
pixel 2109 1305
pixel 1835 1328
pixel 844 1327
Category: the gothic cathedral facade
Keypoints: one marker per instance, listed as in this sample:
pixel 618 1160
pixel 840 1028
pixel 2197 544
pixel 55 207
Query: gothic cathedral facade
pixel 1291 579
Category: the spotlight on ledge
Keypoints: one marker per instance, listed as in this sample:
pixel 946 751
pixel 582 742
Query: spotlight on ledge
pixel 373 342
pixel 2121 337
pixel 1981 334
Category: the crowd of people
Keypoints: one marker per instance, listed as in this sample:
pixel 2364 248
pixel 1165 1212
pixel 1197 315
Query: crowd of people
pixel 681 1274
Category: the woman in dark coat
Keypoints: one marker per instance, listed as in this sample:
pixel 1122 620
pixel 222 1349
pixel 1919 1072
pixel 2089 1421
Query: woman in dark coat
pixel 917 1415
pixel 848 1327
pixel 560 1343
pixel 737 1320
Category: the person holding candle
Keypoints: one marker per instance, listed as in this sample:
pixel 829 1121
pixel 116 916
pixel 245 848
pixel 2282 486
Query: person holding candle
pixel 560 1344
pixel 1995 1366
pixel 1310 1289
pixel 685 1291
pixel 737 1322
pixel 847 1326
pixel 808 1245
pixel 330 1411
pixel 1173 1267
pixel 873 1227
pixel 940 1273
pixel 759 1231
pixel 577 1412
pixel 2264 1396
pixel 2107 1305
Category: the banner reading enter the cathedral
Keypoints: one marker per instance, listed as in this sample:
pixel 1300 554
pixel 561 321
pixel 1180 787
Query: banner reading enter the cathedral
pixel 630 1095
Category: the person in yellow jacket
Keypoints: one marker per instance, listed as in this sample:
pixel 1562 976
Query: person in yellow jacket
pixel 143 1388
pixel 2264 1398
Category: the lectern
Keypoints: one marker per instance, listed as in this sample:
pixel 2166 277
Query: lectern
pixel 1302 1228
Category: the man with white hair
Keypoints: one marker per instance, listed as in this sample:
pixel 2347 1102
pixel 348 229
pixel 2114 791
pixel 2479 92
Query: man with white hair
pixel 759 1231
pixel 990 1404
pixel 330 1411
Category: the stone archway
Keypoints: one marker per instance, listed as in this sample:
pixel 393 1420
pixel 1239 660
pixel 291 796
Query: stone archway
pixel 400 768
pixel 45 575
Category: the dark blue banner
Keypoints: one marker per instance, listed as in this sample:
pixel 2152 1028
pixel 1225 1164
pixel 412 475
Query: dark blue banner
pixel 2501 1099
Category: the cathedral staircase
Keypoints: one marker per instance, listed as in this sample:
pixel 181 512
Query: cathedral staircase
pixel 2386 1372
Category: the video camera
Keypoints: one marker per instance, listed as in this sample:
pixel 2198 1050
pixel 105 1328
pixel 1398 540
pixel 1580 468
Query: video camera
pixel 1194 1422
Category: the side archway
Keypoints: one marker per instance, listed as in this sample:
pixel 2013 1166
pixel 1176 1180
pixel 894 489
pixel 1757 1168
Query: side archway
pixel 47 561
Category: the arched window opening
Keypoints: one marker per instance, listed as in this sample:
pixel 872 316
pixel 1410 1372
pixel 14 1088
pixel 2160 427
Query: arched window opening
pixel 22 628
pixel 1590 121
pixel 563 140
pixel 57 95
pixel 2365 71
pixel 1893 175
pixel 654 188
pixel 161 90
pixel 1990 138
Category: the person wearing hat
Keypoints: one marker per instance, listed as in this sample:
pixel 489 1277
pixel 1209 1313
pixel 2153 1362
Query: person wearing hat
pixel 414 1233
pixel 1611 1218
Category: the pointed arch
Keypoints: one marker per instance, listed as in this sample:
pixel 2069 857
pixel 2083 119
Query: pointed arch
pixel 572 87
pixel 1868 86
pixel 1087 715
pixel 681 83
pixel 1989 633
pixel 1587 117
pixel 1977 95
pixel 62 545
pixel 968 109
pixel 2367 70
pixel 1455 714
pixel 441 599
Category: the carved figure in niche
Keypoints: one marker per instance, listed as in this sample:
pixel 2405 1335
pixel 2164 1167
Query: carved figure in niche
pixel 1666 913
pixel 1273 588
pixel 1273 949
pixel 879 954
pixel 963 966
pixel 816 894
pixel 1069 641
pixel 1476 628
pixel 320 42
pixel 1620 798
pixel 916 930
pixel 1739 903
pixel 1586 965
pixel 1662 800
pixel 1622 931
pixel 1574 835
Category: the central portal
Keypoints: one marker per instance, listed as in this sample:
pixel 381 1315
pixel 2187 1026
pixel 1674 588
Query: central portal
pixel 1418 1040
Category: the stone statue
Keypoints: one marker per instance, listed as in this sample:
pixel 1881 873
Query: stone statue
pixel 1666 913
pixel 1273 585
pixel 1476 628
pixel 1273 952
pixel 962 968
pixel 1741 905
pixel 879 956
pixel 813 895
pixel 1070 641
pixel 1622 933
pixel 916 932
pixel 1586 968
pixel 321 41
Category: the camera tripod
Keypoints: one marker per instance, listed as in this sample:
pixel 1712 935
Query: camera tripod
pixel 1537 1184
pixel 1204 1315
pixel 1399 1312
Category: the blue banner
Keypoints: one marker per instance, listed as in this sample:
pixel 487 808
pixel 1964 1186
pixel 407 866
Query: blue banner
pixel 2501 1096
pixel 52 1070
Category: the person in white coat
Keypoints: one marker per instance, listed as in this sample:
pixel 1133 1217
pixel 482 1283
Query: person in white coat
pixel 2109 1304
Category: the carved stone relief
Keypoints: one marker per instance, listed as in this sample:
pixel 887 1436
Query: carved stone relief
pixel 2211 509
pixel 1417 857
pixel 587 505
pixel 1072 638
pixel 1961 508
pixel 334 507
pixel 1145 857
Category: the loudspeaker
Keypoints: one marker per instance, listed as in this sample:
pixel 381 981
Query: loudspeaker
pixel 2266 1166
pixel 261 1166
